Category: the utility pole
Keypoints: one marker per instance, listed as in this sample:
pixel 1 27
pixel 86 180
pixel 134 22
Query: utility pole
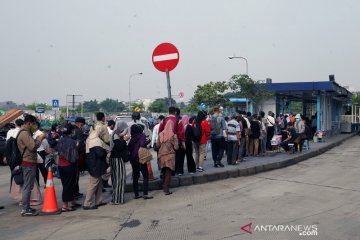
pixel 72 104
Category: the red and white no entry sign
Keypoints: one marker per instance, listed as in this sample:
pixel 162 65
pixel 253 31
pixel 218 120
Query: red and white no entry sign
pixel 165 57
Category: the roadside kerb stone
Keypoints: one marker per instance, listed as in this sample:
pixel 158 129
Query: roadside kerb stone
pixel 241 171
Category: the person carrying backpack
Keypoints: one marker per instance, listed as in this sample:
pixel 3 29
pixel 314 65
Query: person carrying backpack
pixel 201 134
pixel 28 148
pixel 217 129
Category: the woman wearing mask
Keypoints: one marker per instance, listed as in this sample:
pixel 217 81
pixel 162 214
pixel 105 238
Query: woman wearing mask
pixel 168 143
pixel 138 139
pixel 68 157
pixel 118 157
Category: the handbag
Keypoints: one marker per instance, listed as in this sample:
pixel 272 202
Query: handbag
pixel 144 155
pixel 18 176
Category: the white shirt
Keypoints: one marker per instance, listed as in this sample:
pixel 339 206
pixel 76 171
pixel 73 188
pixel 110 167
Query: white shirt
pixel 155 134
pixel 12 133
pixel 110 131
pixel 36 135
pixel 270 121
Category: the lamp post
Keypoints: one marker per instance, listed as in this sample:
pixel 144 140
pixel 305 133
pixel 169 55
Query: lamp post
pixel 138 73
pixel 247 73
pixel 246 61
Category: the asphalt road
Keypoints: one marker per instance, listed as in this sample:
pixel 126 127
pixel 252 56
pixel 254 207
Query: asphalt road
pixel 322 194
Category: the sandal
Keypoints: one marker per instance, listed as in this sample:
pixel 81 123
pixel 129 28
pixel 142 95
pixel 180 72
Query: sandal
pixel 67 209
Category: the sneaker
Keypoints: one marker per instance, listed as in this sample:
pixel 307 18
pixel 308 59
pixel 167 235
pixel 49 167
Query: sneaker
pixel 32 210
pixel 192 173
pixel 180 174
pixel 147 197
pixel 28 213
pixel 200 169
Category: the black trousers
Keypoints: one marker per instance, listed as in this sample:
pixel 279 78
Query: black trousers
pixel 233 151
pixel 137 168
pixel 218 147
pixel 180 158
pixel 67 176
pixel 77 178
pixel 41 167
pixel 270 134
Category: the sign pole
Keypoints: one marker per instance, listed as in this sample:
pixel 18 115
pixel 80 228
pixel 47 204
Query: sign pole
pixel 168 87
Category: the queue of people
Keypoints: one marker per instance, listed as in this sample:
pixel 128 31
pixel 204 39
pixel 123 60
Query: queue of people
pixel 109 146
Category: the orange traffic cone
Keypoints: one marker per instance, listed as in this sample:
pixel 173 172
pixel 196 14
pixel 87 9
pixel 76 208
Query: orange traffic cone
pixel 50 204
pixel 151 175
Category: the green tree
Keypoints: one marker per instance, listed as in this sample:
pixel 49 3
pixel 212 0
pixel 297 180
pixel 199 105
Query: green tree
pixel 91 106
pixel 356 99
pixel 244 86
pixel 212 94
pixel 136 104
pixel 34 105
pixel 112 106
pixel 159 105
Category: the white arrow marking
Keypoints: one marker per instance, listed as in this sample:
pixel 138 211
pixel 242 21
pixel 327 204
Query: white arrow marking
pixel 165 57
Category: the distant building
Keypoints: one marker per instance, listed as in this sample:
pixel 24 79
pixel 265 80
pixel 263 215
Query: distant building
pixel 8 105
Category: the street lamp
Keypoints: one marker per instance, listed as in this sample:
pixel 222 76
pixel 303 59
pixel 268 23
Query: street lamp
pixel 247 73
pixel 139 73
pixel 246 61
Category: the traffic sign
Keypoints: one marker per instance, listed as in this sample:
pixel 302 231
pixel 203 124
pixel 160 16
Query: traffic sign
pixel 40 110
pixel 55 104
pixel 165 57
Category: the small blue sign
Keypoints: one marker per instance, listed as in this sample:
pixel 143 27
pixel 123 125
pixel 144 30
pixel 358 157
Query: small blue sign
pixel 55 103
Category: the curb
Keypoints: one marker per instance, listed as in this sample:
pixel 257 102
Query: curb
pixel 239 172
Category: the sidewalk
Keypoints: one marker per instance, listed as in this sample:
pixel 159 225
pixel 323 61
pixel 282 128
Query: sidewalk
pixel 251 166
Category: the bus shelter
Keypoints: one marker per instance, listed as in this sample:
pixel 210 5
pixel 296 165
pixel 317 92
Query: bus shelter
pixel 327 101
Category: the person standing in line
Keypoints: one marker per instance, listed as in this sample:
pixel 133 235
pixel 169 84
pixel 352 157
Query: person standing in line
pixel 201 125
pixel 155 137
pixel 233 136
pixel 118 157
pixel 254 138
pixel 263 133
pixel 181 150
pixel 168 145
pixel 14 131
pixel 97 146
pixel 28 146
pixel 191 167
pixel 79 138
pixel 41 151
pixel 270 129
pixel 217 130
pixel 138 140
pixel 68 157
pixel 242 139
pixel 247 117
pixel 111 126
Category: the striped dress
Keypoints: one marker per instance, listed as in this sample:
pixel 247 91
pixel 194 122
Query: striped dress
pixel 119 155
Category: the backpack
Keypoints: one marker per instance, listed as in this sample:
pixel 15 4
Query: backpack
pixel 215 126
pixel 197 133
pixel 13 156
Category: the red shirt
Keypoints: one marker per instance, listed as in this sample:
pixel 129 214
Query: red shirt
pixel 63 162
pixel 28 164
pixel 205 131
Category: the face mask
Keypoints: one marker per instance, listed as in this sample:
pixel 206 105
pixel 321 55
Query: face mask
pixel 32 129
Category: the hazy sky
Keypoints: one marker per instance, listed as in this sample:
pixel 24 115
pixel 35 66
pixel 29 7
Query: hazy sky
pixel 52 48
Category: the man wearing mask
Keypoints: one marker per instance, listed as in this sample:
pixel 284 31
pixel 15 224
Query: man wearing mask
pixel 28 146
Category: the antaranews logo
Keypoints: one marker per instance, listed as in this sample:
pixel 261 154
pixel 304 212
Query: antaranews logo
pixel 302 230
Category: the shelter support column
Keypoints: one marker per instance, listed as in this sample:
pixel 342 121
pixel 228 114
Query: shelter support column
pixel 318 112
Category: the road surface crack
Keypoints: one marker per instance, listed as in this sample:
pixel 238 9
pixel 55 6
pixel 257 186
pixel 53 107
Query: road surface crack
pixel 124 224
